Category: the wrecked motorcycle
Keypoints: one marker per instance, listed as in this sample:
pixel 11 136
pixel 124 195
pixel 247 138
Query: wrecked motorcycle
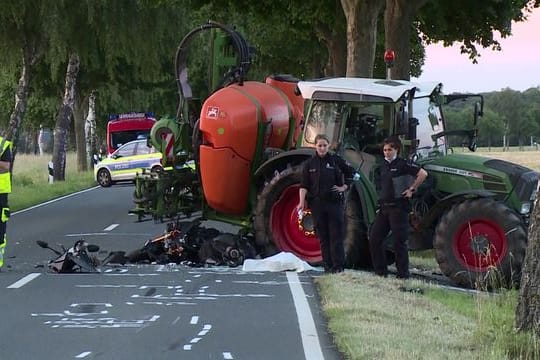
pixel 189 243
pixel 76 259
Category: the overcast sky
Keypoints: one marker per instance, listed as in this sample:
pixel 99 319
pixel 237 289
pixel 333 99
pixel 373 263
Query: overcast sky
pixel 517 66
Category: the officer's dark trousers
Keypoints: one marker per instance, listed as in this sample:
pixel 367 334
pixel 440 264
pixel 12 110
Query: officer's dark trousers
pixel 388 218
pixel 329 221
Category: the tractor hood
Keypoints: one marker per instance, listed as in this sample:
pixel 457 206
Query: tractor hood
pixel 470 172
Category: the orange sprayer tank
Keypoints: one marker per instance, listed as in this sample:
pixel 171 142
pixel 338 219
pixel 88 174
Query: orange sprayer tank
pixel 232 120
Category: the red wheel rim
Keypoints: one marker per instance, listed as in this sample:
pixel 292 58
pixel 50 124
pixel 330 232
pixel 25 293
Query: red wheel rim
pixel 286 233
pixel 480 244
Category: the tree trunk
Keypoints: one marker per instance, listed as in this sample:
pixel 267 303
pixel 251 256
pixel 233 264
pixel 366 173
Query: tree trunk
pixel 80 141
pixel 398 21
pixel 528 309
pixel 337 53
pixel 90 129
pixel 29 59
pixel 62 120
pixel 362 17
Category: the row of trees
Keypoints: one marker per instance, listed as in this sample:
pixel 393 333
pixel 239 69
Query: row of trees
pixel 59 55
pixel 70 62
pixel 511 118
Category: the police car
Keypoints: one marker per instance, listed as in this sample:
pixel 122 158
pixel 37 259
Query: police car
pixel 128 160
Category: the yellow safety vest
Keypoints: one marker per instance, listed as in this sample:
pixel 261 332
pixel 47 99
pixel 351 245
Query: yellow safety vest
pixel 5 178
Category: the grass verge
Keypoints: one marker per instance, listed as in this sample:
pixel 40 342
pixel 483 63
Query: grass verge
pixel 31 180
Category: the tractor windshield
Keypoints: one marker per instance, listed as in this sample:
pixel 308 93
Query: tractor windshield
pixel 325 118
pixel 352 125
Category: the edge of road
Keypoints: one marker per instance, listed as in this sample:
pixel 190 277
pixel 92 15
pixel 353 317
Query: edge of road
pixel 54 200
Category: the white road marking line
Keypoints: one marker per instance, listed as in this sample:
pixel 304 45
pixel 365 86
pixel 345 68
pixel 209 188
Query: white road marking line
pixel 53 201
pixel 195 340
pixel 176 320
pixel 110 227
pixel 194 320
pixel 25 280
pixel 83 355
pixel 310 339
pixel 86 234
pixel 187 347
pixel 227 356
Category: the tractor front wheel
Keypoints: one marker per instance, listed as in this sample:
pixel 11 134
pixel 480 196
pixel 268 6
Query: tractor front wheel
pixel 481 243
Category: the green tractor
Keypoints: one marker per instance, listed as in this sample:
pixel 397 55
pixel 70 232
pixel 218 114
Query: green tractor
pixel 239 161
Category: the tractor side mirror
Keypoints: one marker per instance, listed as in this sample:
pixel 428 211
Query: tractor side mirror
pixel 477 113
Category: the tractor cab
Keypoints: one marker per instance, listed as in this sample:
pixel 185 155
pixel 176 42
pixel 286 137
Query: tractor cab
pixel 358 114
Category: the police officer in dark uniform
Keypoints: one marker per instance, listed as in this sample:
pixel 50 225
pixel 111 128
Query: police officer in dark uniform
pixel 396 180
pixel 325 178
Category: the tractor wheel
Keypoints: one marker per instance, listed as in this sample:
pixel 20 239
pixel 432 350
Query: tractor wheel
pixel 104 178
pixel 481 243
pixel 277 227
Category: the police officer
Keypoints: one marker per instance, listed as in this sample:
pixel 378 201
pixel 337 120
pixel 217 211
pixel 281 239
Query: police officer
pixel 325 178
pixel 5 189
pixel 393 212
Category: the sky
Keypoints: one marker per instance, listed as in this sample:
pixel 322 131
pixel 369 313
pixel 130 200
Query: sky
pixel 516 66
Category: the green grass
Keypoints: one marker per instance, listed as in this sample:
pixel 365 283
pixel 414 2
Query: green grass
pixel 375 318
pixel 31 180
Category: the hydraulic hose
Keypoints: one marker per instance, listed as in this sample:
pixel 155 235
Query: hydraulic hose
pixel 235 75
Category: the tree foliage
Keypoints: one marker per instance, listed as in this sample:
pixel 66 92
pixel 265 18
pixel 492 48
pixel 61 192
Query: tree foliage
pixel 471 23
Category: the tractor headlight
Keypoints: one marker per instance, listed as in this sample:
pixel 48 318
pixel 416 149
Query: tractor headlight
pixel 525 208
pixel 533 195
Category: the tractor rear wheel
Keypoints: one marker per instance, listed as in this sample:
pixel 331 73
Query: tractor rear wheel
pixel 481 243
pixel 277 227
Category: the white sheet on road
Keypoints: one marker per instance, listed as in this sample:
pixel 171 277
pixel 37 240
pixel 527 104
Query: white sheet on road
pixel 283 261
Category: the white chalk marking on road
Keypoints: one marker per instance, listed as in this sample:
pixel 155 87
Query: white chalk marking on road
pixel 194 320
pixel 122 270
pixel 187 347
pixel 25 280
pixel 195 340
pixel 310 339
pixel 227 356
pixel 176 320
pixel 110 227
pixel 83 355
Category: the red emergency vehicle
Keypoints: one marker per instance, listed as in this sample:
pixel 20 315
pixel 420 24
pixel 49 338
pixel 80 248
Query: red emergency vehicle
pixel 123 128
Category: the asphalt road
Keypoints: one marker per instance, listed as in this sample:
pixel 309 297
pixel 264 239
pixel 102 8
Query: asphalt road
pixel 144 311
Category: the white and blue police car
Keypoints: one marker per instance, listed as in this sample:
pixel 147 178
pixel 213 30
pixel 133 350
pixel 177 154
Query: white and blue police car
pixel 128 160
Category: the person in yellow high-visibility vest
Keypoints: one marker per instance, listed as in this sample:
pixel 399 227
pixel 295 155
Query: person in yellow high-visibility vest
pixel 5 189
